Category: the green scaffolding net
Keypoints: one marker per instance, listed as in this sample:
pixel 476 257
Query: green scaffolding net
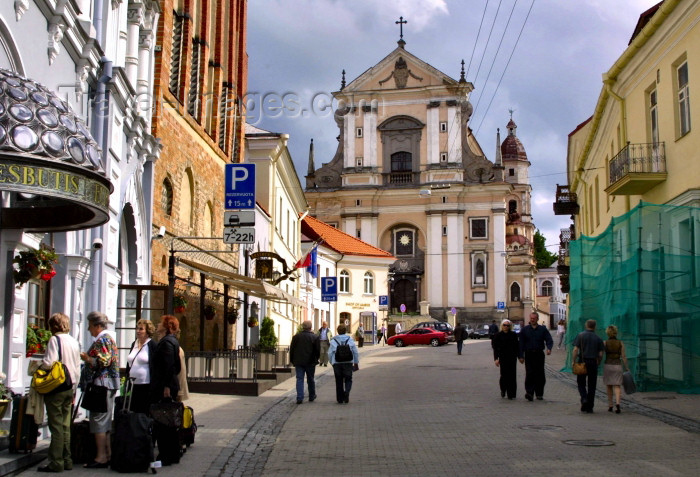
pixel 643 276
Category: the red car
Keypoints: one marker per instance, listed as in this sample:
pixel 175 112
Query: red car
pixel 422 336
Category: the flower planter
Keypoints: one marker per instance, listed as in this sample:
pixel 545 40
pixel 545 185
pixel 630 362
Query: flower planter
pixel 179 309
pixel 4 405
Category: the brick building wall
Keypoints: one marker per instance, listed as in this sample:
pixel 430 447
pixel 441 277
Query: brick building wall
pixel 193 149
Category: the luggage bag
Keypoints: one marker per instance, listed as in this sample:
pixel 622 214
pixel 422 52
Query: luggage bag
pixel 83 448
pixel 132 442
pixel 189 427
pixel 167 422
pixel 23 429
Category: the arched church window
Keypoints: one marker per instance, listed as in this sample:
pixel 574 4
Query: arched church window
pixel 512 206
pixel 166 197
pixel 547 288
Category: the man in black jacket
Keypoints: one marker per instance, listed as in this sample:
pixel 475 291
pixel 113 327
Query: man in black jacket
pixel 304 353
pixel 534 339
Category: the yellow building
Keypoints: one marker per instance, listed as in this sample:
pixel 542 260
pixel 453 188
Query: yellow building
pixel 410 178
pixel 634 193
pixel 639 144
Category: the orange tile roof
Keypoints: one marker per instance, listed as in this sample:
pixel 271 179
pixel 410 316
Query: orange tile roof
pixel 338 240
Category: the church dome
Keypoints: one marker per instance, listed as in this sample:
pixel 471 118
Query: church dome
pixel 511 148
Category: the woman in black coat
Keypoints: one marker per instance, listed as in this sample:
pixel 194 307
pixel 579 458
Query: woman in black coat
pixel 166 360
pixel 505 355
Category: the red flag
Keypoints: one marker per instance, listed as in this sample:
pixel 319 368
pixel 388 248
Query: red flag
pixel 303 262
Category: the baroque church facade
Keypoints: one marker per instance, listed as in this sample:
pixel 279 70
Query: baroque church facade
pixel 410 178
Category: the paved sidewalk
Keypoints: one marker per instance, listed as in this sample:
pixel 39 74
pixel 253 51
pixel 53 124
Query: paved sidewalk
pixel 426 411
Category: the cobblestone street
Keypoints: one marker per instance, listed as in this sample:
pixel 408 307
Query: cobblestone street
pixel 427 411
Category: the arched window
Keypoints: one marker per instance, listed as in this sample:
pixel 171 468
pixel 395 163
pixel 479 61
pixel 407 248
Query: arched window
pixel 512 206
pixel 369 284
pixel 547 288
pixel 208 220
pixel 479 269
pixel 166 197
pixel 515 292
pixel 344 282
pixel 187 201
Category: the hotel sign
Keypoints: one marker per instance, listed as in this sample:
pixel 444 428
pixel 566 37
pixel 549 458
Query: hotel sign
pixel 83 195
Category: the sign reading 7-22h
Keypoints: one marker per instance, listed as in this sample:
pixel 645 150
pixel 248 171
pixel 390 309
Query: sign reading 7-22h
pixel 240 186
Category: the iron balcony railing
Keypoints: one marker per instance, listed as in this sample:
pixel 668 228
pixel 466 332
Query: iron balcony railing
pixel 638 158
pixel 401 178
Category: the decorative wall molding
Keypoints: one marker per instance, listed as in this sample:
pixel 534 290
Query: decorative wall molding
pixel 56 30
pixel 21 6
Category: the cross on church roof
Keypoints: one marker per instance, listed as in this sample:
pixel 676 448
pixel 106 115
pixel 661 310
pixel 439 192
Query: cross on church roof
pixel 401 22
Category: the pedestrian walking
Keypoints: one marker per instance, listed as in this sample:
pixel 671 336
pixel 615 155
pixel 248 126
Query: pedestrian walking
pixel 324 336
pixel 493 329
pixel 64 348
pixel 398 328
pixel 382 334
pixel 343 366
pixel 304 353
pixel 533 340
pixel 561 332
pixel 505 354
pixel 460 334
pixel 615 358
pixel 590 347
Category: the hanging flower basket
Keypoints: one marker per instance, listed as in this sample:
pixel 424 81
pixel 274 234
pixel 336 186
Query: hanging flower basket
pixel 231 316
pixel 179 304
pixel 252 322
pixel 209 312
pixel 34 263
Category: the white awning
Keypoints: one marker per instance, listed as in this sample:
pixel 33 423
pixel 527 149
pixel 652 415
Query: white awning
pixel 251 286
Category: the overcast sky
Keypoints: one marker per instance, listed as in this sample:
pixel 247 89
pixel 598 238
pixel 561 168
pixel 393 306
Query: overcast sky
pixel 548 69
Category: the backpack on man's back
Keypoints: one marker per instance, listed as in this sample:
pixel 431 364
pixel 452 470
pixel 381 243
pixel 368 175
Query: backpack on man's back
pixel 343 353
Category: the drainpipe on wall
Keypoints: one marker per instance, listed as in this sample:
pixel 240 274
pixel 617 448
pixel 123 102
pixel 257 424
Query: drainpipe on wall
pixel 609 82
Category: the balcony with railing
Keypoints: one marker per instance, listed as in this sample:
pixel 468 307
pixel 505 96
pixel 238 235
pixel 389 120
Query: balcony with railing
pixel 401 178
pixel 637 168
pixel 566 201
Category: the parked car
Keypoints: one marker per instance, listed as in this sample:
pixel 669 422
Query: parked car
pixel 479 333
pixel 438 326
pixel 418 336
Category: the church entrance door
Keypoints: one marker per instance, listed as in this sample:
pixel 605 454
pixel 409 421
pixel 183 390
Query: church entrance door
pixel 404 293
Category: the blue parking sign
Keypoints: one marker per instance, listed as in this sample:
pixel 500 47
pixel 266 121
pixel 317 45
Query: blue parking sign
pixel 329 289
pixel 239 182
pixel 383 300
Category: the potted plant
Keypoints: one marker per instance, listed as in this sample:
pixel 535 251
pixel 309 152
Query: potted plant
pixel 231 315
pixel 209 312
pixel 267 344
pixel 37 339
pixel 179 303
pixel 252 322
pixel 34 263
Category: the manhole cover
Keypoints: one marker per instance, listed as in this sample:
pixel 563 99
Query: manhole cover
pixel 589 443
pixel 541 428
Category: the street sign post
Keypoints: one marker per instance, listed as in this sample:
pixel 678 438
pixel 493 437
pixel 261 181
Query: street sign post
pixel 239 192
pixel 239 234
pixel 239 218
pixel 501 306
pixel 329 289
pixel 383 302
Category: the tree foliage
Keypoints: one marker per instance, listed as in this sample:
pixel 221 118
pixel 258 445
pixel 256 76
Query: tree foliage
pixel 268 340
pixel 544 257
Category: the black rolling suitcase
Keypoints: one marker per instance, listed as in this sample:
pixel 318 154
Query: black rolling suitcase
pixel 167 421
pixel 83 448
pixel 132 442
pixel 23 429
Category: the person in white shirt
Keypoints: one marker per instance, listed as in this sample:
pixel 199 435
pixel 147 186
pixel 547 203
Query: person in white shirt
pixel 58 402
pixel 139 364
pixel 398 328
pixel 561 332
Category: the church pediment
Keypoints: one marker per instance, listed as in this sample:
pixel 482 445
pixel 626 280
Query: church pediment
pixel 400 70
